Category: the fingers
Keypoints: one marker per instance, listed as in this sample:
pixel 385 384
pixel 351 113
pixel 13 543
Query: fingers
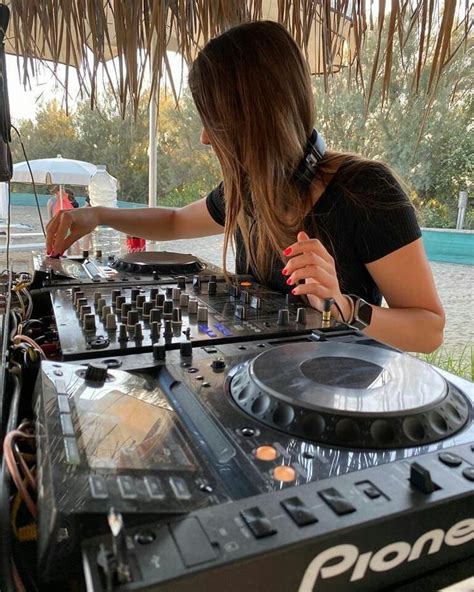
pixel 312 272
pixel 313 288
pixel 304 260
pixel 62 232
pixel 308 245
pixel 50 232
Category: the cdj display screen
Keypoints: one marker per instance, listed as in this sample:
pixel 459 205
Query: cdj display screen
pixel 127 426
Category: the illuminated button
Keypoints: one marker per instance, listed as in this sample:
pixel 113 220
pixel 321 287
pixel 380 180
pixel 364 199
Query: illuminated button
pixel 126 486
pixel 154 487
pixel 267 453
pixel 71 451
pixel 179 487
pixel 246 284
pixel 98 487
pixel 284 473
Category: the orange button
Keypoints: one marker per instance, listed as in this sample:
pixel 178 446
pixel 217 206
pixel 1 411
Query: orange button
pixel 246 284
pixel 266 453
pixel 284 473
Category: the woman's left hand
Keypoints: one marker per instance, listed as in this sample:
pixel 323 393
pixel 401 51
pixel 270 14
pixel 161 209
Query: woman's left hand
pixel 311 262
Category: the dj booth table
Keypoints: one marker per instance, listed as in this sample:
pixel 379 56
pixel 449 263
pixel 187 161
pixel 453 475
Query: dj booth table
pixel 196 435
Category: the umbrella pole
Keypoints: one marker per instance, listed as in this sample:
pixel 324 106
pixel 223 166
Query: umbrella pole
pixel 61 197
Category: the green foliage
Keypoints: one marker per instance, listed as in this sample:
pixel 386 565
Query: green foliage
pixel 457 360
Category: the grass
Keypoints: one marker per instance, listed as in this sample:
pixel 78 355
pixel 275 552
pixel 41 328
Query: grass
pixel 457 360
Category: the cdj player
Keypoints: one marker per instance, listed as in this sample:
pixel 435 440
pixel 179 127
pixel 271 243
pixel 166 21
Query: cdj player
pixel 200 435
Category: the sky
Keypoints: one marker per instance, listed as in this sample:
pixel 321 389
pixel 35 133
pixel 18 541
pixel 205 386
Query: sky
pixel 24 103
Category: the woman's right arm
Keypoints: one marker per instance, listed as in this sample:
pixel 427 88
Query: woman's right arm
pixel 192 221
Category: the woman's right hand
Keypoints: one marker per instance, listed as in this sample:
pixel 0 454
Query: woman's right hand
pixel 68 226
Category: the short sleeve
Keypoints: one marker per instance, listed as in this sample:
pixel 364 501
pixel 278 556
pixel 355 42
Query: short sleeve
pixel 216 205
pixel 387 221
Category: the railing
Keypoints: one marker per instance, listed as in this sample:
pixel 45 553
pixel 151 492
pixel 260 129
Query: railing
pixel 21 246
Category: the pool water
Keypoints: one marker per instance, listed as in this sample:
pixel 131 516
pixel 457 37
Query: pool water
pixel 450 246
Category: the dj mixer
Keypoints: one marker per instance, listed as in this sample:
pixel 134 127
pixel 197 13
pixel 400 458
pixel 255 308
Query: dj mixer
pixel 204 434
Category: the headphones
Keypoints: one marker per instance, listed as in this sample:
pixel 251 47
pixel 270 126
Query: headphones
pixel 307 168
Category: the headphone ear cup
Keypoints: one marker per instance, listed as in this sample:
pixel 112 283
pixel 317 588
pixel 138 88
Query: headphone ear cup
pixel 308 166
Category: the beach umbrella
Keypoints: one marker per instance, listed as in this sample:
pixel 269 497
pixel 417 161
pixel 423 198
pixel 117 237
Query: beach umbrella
pixel 54 171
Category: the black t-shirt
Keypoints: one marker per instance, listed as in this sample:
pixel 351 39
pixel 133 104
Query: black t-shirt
pixel 354 233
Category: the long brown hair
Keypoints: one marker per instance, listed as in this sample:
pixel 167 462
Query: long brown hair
pixel 252 89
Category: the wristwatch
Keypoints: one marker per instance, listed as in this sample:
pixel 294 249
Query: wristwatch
pixel 362 312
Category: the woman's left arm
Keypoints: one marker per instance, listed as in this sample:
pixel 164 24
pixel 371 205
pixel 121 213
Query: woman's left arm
pixel 415 319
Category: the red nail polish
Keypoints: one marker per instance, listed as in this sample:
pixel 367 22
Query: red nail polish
pixel 293 291
pixel 288 251
pixel 284 271
pixel 289 282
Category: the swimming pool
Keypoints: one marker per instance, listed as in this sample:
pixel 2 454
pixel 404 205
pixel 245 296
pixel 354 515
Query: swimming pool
pixel 451 246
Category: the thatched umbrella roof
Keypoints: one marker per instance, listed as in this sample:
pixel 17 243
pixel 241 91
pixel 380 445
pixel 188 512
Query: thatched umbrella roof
pixel 330 32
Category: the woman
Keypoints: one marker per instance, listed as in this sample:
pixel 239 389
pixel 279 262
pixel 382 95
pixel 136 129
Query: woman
pixel 319 223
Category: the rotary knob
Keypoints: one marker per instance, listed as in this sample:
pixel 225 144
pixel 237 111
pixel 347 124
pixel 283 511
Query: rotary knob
pixel 212 288
pixel 301 315
pixel 156 276
pixel 175 294
pixel 98 254
pixel 85 254
pixel 244 297
pixel 168 332
pixel 160 300
pixel 202 314
pixel 132 318
pixel 186 349
pixel 140 301
pixel 77 295
pixel 159 352
pixel 111 322
pixel 181 282
pixel 168 307
pixel 213 278
pixel 169 291
pixel 126 308
pixel 177 318
pixel 147 308
pixel 88 323
pixel 155 315
pixel 193 307
pixel 106 310
pixel 119 300
pixel 86 309
pixel 218 364
pixel 197 282
pixel 134 292
pixel 75 289
pixel 283 317
pixel 80 303
pixel 184 300
pixel 101 302
pixel 123 335
pixel 96 372
pixel 153 293
pixel 97 296
pixel 114 295
pixel 234 291
pixel 138 332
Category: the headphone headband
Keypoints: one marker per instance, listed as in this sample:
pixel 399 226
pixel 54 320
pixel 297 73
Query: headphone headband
pixel 307 168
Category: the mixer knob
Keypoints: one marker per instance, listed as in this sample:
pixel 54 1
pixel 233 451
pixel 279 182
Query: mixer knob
pixel 175 294
pixel 167 309
pixel 169 291
pixel 147 308
pixel 283 317
pixel 110 259
pixel 256 302
pixel 212 288
pixel 140 300
pixel 81 302
pixel 184 300
pixel 213 278
pixel 126 308
pixel 153 293
pixel 159 352
pixel 192 307
pixel 155 331
pixel 85 254
pixel 119 301
pixel 177 315
pixel 88 322
pixel 160 300
pixel 244 297
pixel 155 315
pixel 138 332
pixel 86 309
pixel 77 295
pixel 202 314
pixel 114 295
pixel 106 310
pixel 186 349
pixel 123 335
pixel 97 297
pixel 168 329
pixel 156 276
pixel 240 312
pixel 96 372
pixel 301 315
pixel 218 364
pixel 74 289
pixel 100 305
pixel 111 322
pixel 132 318
pixel 197 282
pixel 181 282
pixel 134 292
pixel 98 254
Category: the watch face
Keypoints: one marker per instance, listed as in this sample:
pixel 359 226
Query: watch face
pixel 364 312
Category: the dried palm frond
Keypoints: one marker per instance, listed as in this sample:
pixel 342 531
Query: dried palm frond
pixel 137 33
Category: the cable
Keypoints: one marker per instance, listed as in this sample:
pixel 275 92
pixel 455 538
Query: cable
pixel 9 214
pixel 32 180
